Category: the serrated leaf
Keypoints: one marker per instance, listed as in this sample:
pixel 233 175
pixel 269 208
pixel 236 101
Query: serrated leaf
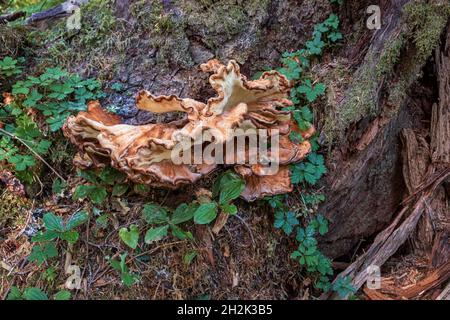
pixel 69 236
pixel 34 294
pixel 53 222
pixel 119 189
pixel 77 220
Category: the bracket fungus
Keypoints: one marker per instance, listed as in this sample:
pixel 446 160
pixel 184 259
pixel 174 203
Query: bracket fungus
pixel 150 154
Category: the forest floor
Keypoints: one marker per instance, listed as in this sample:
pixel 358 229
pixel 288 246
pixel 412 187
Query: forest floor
pixel 158 46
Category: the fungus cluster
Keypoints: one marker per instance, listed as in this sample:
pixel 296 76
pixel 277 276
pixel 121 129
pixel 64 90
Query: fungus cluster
pixel 145 152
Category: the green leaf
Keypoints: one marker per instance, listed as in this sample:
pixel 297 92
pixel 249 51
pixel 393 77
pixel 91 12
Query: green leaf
pixel 45 236
pixel 285 221
pixel 14 294
pixel 98 194
pixel 130 237
pixel 102 221
pixel 156 234
pixel 231 190
pixel 62 295
pixel 53 223
pixel 43 146
pixel 155 214
pixel 343 286
pixel 229 187
pixel 58 186
pixel 110 175
pixel 189 257
pixel 41 253
pixel 183 213
pixel 119 189
pixel 205 213
pixel 34 294
pixel 229 208
pixel 77 220
pixel 69 236
pixel 82 191
pixel 21 162
pixel 181 234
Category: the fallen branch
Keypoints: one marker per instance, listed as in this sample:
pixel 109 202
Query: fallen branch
pixel 60 11
pixel 11 17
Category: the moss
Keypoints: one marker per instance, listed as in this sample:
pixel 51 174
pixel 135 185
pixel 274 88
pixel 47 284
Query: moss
pixel 361 101
pixel 97 46
pixel 399 64
pixel 391 56
pixel 425 20
pixel 12 207
pixel 218 22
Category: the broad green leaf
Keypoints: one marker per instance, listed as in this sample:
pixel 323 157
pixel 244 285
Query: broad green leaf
pixel 231 190
pixel 156 234
pixel 181 234
pixel 130 237
pixel 53 222
pixel 34 294
pixel 119 189
pixel 77 220
pixel 228 208
pixel 69 236
pixel 183 213
pixel 98 194
pixel 154 214
pixel 14 294
pixel 205 213
pixel 62 295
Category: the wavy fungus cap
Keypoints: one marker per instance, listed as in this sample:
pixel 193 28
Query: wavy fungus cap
pixel 143 152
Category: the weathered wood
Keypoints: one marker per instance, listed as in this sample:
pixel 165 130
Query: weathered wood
pixel 432 280
pixel 388 241
pixel 60 11
pixel 11 17
pixel 440 122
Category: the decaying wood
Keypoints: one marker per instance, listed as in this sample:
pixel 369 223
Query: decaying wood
pixel 445 294
pixel 440 122
pixel 364 178
pixel 433 280
pixel 375 294
pixel 387 242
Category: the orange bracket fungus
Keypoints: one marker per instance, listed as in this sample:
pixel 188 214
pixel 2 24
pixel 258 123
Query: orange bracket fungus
pixel 167 154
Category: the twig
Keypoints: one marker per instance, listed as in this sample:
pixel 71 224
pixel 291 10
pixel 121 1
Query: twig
pixel 248 228
pixel 34 152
